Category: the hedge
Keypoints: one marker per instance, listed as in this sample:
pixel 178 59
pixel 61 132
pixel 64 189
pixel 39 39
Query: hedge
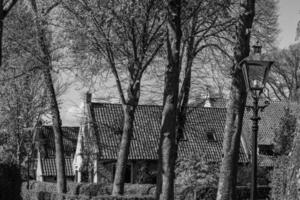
pixel 88 191
pixel 10 182
pixel 34 195
pixel 91 189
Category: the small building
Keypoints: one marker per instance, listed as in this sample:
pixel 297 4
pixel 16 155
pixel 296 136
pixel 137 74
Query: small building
pixel 45 155
pixel 101 133
pixel 270 121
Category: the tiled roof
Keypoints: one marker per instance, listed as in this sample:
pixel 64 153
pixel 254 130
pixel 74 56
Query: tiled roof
pixel 69 140
pixel 219 102
pixel 270 119
pixel 49 166
pixel 109 117
pixel 266 161
pixel 215 102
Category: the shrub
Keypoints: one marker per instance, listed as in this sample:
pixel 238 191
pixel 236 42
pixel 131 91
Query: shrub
pixel 10 182
pixel 139 189
pixel 279 178
pixel 91 189
pixel 72 187
pixel 196 178
pixel 104 197
pixel 40 195
pixel 29 195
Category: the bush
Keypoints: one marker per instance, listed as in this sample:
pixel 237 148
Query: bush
pixel 29 195
pixel 196 178
pixel 90 189
pixel 103 197
pixel 34 195
pixel 94 189
pixel 279 179
pixel 139 189
pixel 10 182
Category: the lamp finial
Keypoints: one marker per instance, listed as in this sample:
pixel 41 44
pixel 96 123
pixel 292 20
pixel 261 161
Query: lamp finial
pixel 257 48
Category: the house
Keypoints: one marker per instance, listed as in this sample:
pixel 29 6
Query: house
pixel 95 143
pixel 45 155
pixel 270 121
pixel 101 132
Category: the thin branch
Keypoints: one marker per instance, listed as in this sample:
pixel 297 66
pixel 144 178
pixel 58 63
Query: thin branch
pixel 8 7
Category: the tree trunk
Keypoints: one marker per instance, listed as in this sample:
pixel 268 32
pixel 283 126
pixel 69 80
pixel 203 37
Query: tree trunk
pixel 44 48
pixel 165 184
pixel 59 148
pixel 231 143
pixel 236 107
pixel 184 94
pixel 1 35
pixel 128 110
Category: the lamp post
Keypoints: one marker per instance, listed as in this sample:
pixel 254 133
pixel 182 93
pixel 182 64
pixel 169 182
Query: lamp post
pixel 255 72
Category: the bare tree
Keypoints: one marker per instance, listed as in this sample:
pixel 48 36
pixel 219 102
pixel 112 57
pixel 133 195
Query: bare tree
pixel 5 7
pixel 204 27
pixel 236 105
pixel 40 11
pixel 166 152
pixel 285 77
pixel 126 36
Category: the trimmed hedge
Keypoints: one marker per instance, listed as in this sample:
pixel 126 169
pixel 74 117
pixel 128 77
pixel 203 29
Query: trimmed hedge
pixel 91 189
pixel 34 195
pixel 106 197
pixel 88 191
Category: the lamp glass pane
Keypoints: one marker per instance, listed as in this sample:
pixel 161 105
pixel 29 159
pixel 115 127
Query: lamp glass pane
pixel 256 73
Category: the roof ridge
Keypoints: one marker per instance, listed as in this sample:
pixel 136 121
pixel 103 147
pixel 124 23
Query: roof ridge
pixel 160 106
pixel 62 126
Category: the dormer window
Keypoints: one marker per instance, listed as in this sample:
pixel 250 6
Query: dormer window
pixel 265 150
pixel 211 135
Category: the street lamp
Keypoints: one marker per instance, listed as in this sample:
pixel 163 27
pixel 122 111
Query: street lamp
pixel 255 72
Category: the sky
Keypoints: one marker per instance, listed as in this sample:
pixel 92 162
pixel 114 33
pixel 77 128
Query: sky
pixel 289 15
pixel 72 100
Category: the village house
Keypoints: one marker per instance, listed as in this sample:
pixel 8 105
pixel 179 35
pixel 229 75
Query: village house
pixel 100 135
pixel 91 150
pixel 270 120
pixel 45 166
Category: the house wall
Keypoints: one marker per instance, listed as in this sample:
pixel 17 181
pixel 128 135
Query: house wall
pixel 105 172
pixel 53 179
pixel 141 171
pixel 39 174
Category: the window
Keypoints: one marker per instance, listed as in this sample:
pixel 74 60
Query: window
pixel 210 134
pixel 266 150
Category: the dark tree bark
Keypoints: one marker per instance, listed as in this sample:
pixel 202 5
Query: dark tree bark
pixel 236 106
pixel 44 48
pixel 56 121
pixel 4 10
pixel 186 85
pixel 128 109
pixel 165 185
